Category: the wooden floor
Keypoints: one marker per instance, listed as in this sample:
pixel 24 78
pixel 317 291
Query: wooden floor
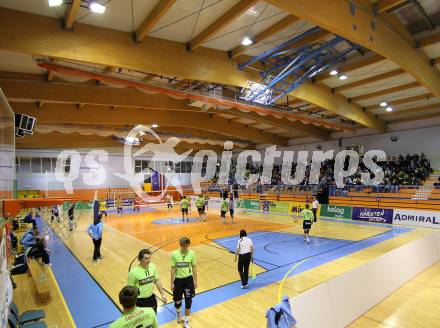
pixel 415 304
pixel 124 237
pixel 25 297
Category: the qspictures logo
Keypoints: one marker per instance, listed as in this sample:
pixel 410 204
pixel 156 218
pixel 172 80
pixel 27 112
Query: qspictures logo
pixel 205 163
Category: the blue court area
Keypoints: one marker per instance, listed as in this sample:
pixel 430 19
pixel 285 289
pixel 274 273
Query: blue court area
pixel 276 249
pixel 90 306
pixel 88 303
pixel 175 221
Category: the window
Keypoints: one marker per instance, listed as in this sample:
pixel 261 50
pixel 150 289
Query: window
pixel 46 164
pixel 137 166
pixel 67 166
pixel 25 165
pixel 36 165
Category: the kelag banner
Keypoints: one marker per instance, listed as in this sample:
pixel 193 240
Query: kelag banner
pixel 335 211
pixel 279 207
pixel 417 218
pixel 380 215
pixel 251 204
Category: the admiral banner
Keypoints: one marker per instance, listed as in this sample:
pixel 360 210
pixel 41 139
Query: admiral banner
pixel 334 211
pixel 379 215
pixel 417 218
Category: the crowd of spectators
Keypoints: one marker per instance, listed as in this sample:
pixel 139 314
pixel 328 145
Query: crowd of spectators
pixel 409 170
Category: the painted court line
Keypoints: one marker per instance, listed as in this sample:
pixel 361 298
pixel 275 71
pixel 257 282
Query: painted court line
pixel 232 290
pixel 88 303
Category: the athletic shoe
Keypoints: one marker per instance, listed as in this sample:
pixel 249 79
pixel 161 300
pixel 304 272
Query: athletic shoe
pixel 243 287
pixel 178 316
pixel 246 287
pixel 186 324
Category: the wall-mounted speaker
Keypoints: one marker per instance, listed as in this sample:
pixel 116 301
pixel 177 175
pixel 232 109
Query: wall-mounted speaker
pixel 24 124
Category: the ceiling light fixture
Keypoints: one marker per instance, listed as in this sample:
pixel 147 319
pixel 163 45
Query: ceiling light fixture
pixel 247 41
pixel 154 125
pixel 389 109
pixel 55 3
pixel 383 104
pixel 96 7
pixel 333 72
pixel 343 77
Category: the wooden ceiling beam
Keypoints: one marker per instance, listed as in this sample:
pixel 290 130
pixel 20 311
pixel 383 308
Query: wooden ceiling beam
pixel 108 47
pixel 19 91
pixel 351 66
pixel 417 118
pixel 153 18
pixel 259 38
pixel 312 38
pixel 428 40
pixel 386 5
pixel 236 11
pixel 355 24
pixel 386 91
pixel 405 112
pixel 56 140
pixel 71 11
pixel 425 96
pixel 372 79
pixel 68 113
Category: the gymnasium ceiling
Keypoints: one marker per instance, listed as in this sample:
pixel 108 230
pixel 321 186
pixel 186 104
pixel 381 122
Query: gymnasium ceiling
pixel 147 42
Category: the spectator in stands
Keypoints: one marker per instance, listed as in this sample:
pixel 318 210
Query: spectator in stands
pixel 29 238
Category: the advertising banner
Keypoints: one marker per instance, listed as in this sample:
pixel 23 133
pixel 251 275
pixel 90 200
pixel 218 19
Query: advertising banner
pixel 295 208
pixel 417 218
pixel 335 211
pixel 215 202
pixel 266 205
pixel 378 215
pixel 279 207
pixel 247 204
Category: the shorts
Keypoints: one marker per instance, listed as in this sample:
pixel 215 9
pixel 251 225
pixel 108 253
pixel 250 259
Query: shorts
pixel 184 210
pixel 201 209
pixel 185 287
pixel 169 205
pixel 150 302
pixel 307 224
pixel 231 212
pixel 222 214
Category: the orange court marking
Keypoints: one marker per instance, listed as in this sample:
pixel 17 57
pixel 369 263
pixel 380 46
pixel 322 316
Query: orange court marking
pixel 166 236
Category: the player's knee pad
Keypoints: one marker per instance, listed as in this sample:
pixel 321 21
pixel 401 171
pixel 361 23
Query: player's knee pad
pixel 188 302
pixel 178 304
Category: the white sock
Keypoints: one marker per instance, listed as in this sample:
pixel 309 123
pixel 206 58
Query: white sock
pixel 186 318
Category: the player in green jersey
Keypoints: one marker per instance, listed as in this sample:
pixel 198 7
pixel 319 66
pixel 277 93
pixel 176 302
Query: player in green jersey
pixel 200 203
pixel 224 206
pixel 132 316
pixel 144 276
pixel 307 216
pixel 184 204
pixel 183 279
